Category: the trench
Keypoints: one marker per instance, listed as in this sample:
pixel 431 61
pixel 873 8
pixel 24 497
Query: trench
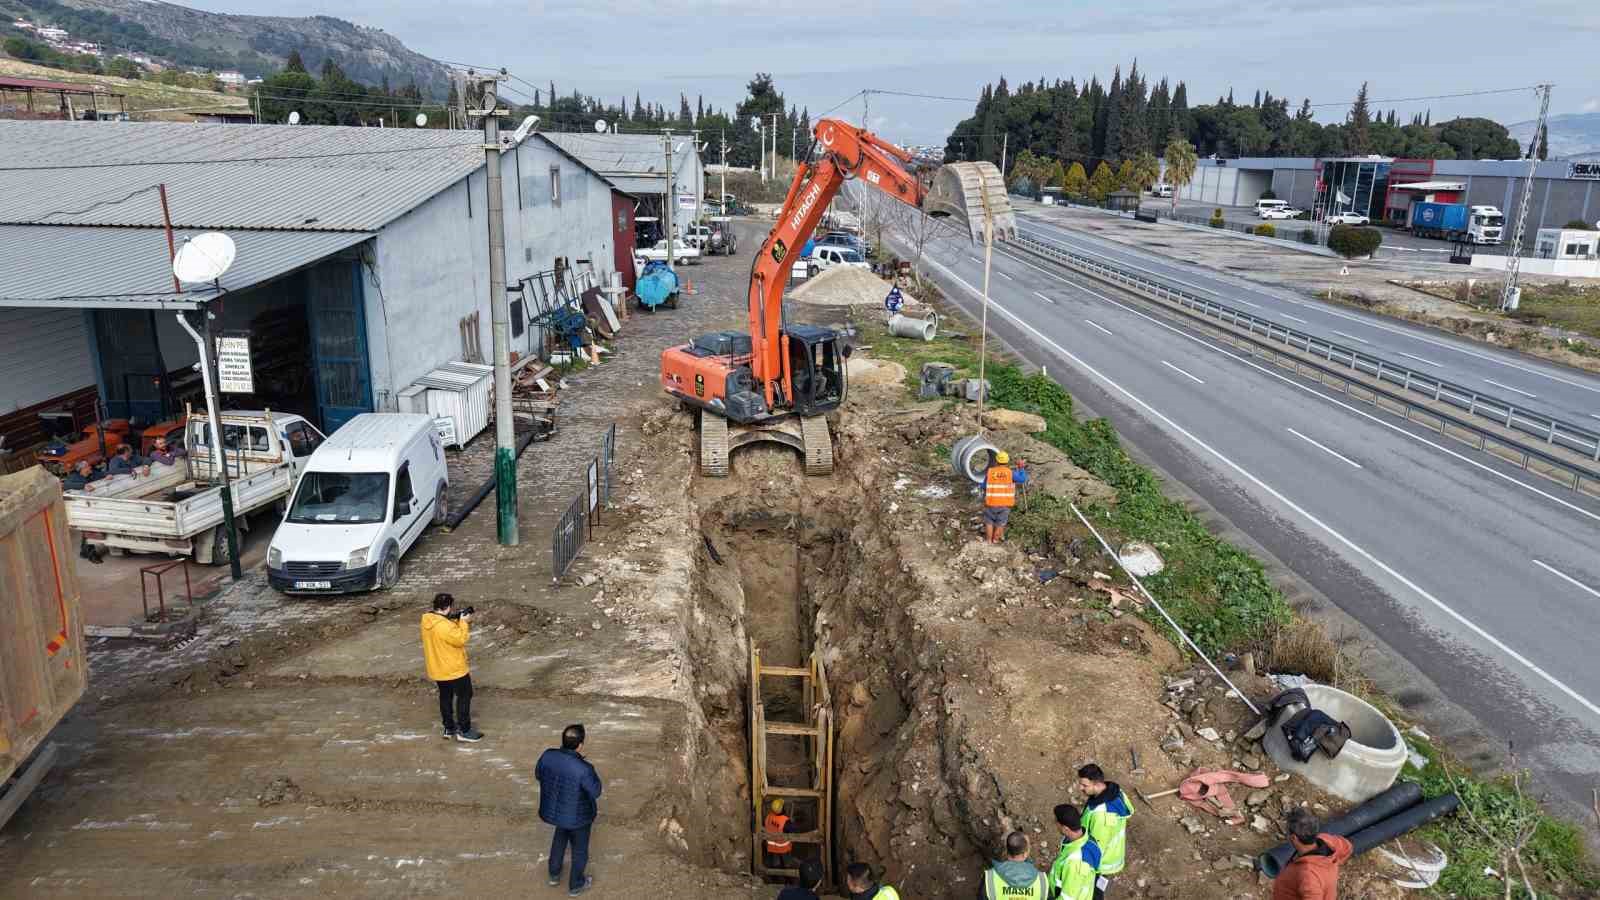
pixel 798 565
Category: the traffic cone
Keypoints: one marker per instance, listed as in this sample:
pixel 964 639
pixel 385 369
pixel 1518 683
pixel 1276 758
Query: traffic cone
pixel 688 286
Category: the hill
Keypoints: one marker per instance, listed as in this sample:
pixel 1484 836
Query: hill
pixel 146 100
pixel 254 45
pixel 1572 135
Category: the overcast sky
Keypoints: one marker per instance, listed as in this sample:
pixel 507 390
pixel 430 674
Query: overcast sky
pixel 821 54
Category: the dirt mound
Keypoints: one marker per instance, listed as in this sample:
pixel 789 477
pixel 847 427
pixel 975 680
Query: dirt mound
pixel 848 286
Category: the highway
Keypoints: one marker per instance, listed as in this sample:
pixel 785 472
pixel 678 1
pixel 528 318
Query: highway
pixel 1513 377
pixel 1480 577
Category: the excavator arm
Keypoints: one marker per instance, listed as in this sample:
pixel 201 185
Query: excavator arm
pixel 842 151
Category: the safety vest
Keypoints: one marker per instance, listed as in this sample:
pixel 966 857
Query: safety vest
pixel 996 888
pixel 997 487
pixel 1109 828
pixel 886 893
pixel 774 825
pixel 1072 875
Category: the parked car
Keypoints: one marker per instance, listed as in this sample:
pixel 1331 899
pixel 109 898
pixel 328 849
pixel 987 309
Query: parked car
pixel 1161 190
pixel 681 251
pixel 1348 218
pixel 715 238
pixel 1263 206
pixel 1279 212
pixel 364 499
pixel 843 239
pixel 827 256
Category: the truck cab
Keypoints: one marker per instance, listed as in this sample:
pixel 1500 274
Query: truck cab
pixel 1485 225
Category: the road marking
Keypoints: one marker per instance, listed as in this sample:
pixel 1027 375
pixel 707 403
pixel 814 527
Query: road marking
pixel 1593 416
pixel 1351 337
pixel 1181 372
pixel 1467 623
pixel 1245 302
pixel 1005 276
pixel 975 259
pixel 1567 578
pixel 1511 389
pixel 1095 324
pixel 1421 360
pixel 1323 448
pixel 1043 297
pixel 1292 318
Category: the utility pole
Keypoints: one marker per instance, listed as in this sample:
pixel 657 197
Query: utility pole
pixel 761 139
pixel 723 197
pixel 699 181
pixel 775 145
pixel 670 198
pixel 505 436
pixel 1511 294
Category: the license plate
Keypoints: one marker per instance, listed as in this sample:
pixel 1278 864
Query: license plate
pixel 313 585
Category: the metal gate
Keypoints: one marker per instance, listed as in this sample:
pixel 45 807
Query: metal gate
pixel 334 309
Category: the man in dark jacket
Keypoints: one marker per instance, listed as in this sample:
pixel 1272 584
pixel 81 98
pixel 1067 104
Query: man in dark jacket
pixel 1313 873
pixel 810 883
pixel 568 789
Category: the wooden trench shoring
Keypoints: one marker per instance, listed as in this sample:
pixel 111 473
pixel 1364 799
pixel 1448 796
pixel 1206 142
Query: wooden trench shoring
pixel 815 798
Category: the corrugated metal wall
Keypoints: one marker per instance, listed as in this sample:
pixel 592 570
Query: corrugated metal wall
pixel 44 353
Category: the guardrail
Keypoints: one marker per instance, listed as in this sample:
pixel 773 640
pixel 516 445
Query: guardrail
pixel 1411 383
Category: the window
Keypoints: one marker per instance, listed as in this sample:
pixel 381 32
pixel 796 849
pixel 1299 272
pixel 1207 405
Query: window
pixel 303 439
pixel 555 185
pixel 516 317
pixel 1577 250
pixel 403 494
pixel 349 497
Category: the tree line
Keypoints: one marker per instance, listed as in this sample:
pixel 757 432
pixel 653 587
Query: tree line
pixel 1111 124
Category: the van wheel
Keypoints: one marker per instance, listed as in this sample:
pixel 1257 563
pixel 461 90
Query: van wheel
pixel 388 570
pixel 441 504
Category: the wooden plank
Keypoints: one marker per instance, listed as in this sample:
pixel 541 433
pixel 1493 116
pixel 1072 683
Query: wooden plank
pixel 798 837
pixel 791 728
pixel 793 671
pixel 774 791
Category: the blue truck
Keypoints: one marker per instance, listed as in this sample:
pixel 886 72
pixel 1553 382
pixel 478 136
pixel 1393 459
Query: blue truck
pixel 1457 222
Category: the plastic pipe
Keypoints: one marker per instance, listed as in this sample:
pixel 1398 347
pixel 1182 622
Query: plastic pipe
pixel 1402 822
pixel 1401 796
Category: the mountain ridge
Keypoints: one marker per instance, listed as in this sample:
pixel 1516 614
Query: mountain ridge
pixel 1572 135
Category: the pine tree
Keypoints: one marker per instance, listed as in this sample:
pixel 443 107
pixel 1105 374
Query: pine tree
pixel 684 116
pixel 1544 142
pixel 1159 118
pixel 1359 134
pixel 1256 104
pixel 1229 102
pixel 1114 112
pixel 294 63
pixel 699 107
pixel 638 108
pixel 1181 124
pixel 805 128
pixel 1427 118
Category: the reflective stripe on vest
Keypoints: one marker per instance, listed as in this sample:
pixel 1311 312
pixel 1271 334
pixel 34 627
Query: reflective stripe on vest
pixel 774 825
pixel 996 888
pixel 997 487
pixel 1110 831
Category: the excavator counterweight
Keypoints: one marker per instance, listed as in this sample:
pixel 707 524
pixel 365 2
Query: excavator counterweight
pixel 749 387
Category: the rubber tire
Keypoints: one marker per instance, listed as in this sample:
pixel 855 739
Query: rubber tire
pixel 388 570
pixel 219 546
pixel 441 504
pixel 672 300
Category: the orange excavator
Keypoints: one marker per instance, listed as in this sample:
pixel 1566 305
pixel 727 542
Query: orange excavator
pixel 778 382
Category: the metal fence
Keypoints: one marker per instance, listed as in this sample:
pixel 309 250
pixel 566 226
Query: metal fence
pixel 1414 388
pixel 576 525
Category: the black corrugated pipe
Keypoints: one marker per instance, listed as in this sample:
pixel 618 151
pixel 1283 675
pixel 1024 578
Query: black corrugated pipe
pixel 1400 796
pixel 460 515
pixel 1402 822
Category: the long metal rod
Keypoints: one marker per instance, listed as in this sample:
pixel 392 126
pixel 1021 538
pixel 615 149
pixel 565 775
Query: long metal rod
pixel 219 463
pixel 1161 609
pixel 505 437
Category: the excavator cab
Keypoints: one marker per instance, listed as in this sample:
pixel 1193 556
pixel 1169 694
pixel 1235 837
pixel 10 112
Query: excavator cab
pixel 816 361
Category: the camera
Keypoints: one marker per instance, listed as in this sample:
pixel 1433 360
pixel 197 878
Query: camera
pixel 459 612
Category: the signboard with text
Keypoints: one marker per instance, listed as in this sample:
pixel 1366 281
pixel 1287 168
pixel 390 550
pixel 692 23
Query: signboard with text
pixel 234 374
pixel 1584 171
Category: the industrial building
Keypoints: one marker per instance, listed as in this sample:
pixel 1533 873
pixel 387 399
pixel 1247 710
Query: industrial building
pixel 636 164
pixel 362 260
pixel 1384 188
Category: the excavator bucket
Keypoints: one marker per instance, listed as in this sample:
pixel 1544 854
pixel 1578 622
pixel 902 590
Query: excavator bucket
pixel 967 192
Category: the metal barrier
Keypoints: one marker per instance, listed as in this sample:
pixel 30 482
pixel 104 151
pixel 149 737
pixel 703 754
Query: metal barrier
pixel 1553 432
pixel 576 525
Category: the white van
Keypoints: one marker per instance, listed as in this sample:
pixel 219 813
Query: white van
pixel 1262 206
pixel 365 497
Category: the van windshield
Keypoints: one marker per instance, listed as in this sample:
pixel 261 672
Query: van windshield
pixel 351 498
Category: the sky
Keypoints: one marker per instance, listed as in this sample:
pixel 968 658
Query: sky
pixel 820 54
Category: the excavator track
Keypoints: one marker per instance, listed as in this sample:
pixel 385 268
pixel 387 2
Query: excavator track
pixel 818 445
pixel 714 445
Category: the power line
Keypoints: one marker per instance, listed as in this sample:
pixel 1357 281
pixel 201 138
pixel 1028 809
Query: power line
pixel 243 159
pixel 920 96
pixel 94 206
pixel 1434 96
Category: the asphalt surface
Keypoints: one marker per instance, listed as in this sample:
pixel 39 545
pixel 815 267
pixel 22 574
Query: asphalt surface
pixel 1523 381
pixel 1479 578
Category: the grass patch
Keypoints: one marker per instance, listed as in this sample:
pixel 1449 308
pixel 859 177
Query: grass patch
pixel 1556 857
pixel 1568 306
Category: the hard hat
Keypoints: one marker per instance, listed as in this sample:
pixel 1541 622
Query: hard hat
pixel 1002 457
pixel 777 806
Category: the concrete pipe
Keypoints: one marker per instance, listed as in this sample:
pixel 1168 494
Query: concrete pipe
pixel 907 327
pixel 970 456
pixel 1395 800
pixel 1370 760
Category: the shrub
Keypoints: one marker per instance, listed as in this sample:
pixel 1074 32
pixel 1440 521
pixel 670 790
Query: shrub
pixel 1351 241
pixel 1216 218
pixel 1303 215
pixel 1580 224
pixel 1265 229
pixel 1308 236
pixel 1268 194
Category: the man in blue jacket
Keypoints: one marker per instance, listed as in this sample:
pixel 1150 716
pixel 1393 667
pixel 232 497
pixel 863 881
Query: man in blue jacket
pixel 568 789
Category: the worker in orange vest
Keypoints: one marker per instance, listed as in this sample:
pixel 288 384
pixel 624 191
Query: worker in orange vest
pixel 778 823
pixel 999 495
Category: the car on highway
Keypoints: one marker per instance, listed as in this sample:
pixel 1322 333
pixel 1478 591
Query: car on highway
pixel 1348 218
pixel 1279 212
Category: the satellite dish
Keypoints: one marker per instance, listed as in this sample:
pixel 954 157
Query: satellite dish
pixel 204 257
pixel 294 118
pixel 600 126
pixel 422 120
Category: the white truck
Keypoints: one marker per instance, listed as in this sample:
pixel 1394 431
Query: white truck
pixel 177 509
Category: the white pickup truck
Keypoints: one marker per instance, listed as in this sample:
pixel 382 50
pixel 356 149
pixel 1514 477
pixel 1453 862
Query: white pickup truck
pixel 177 508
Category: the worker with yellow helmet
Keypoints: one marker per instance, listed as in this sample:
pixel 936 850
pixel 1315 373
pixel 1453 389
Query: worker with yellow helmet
pixel 1000 484
pixel 777 852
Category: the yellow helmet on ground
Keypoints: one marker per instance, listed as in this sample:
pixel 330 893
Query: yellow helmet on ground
pixel 1002 457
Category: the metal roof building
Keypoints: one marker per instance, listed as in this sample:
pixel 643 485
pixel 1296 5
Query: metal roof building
pixel 637 164
pixel 362 257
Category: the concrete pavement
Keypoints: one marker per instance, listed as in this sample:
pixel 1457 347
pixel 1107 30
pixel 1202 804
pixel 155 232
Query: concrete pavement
pixel 1477 576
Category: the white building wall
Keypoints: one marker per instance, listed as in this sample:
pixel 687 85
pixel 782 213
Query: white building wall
pixel 44 353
